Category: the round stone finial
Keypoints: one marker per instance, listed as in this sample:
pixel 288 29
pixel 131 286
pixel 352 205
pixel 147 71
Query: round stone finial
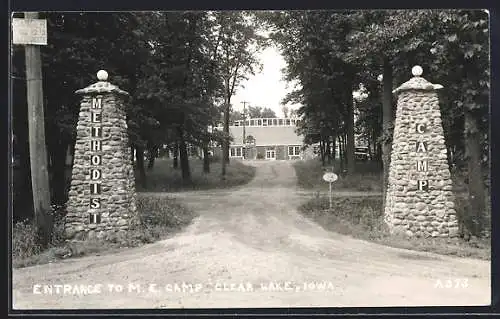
pixel 102 75
pixel 417 70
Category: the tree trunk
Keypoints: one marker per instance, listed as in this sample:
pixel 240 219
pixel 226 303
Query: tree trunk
pixel 38 151
pixel 58 172
pixel 370 153
pixel 226 130
pixel 341 153
pixel 344 140
pixel 334 148
pixel 377 150
pixel 476 183
pixel 386 122
pixel 350 131
pixel 139 158
pixel 175 156
pixel 206 159
pixel 322 151
pixel 225 142
pixel 328 152
pixel 153 152
pixel 186 172
pixel 379 156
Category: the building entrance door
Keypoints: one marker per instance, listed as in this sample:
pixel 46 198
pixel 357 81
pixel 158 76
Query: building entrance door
pixel 271 154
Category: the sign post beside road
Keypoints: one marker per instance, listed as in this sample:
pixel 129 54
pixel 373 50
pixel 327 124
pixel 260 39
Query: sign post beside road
pixel 32 33
pixel 330 177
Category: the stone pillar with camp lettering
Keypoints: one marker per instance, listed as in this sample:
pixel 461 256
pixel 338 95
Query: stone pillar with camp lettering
pixel 102 198
pixel 420 200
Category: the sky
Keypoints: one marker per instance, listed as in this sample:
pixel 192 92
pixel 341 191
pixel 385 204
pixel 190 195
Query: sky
pixel 267 88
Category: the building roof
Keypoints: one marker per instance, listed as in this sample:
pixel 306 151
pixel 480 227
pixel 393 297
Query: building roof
pixel 267 122
pixel 266 135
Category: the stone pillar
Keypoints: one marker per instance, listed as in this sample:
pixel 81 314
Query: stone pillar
pixel 102 199
pixel 419 199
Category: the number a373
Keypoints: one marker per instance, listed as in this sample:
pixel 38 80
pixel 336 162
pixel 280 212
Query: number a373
pixel 451 283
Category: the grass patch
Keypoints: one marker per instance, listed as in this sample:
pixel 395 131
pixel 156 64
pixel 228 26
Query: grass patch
pixel 362 217
pixel 164 178
pixel 161 217
pixel 367 177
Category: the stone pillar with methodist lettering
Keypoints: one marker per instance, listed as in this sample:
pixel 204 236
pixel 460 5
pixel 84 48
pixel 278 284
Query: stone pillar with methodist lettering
pixel 419 199
pixel 102 198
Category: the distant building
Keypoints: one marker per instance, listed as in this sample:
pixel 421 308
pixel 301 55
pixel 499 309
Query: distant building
pixel 266 138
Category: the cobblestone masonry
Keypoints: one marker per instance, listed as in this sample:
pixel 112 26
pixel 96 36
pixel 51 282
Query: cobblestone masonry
pixel 419 199
pixel 102 199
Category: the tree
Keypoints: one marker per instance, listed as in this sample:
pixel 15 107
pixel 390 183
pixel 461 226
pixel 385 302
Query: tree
pixel 254 111
pixel 385 42
pixel 239 44
pixel 461 60
pixel 181 94
pixel 268 113
pixel 285 111
pixel 313 44
pixel 235 116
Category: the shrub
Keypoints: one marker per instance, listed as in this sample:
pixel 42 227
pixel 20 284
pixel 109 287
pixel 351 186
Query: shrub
pixel 162 211
pixel 24 241
pixel 215 159
pixel 160 217
pixel 58 213
pixel 467 222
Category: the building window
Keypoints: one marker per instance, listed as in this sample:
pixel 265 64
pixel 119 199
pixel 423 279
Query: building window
pixel 293 122
pixel 293 150
pixel 275 122
pixel 246 122
pixel 264 122
pixel 236 152
pixel 252 123
pixel 287 121
pixel 280 122
pixel 270 153
pixel 237 123
pixel 259 122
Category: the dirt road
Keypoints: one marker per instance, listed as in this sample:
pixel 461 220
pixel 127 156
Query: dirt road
pixel 250 248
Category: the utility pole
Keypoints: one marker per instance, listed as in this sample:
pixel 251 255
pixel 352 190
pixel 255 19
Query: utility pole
pixel 244 128
pixel 37 147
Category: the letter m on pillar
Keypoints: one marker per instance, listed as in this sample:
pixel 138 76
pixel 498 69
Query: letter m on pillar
pixel 422 166
pixel 97 102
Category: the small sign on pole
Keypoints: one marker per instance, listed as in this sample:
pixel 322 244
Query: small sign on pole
pixel 29 31
pixel 330 177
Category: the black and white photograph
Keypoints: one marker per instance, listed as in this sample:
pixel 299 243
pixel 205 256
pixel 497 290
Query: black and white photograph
pixel 215 159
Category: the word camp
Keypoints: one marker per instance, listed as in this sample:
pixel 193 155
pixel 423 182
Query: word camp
pixel 422 165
